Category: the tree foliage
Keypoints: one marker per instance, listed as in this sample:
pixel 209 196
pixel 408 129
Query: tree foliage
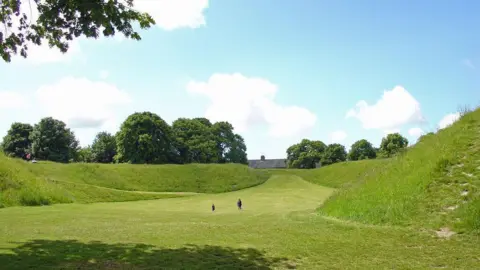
pixel 198 140
pixel 231 147
pixel 52 140
pixel 144 138
pixel 237 151
pixel 104 148
pixel 392 144
pixel 194 141
pixel 305 154
pixel 61 21
pixel 362 149
pixel 334 153
pixel 85 154
pixel 17 141
pixel 204 121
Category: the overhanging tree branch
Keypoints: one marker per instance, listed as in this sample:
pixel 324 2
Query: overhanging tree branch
pixel 61 21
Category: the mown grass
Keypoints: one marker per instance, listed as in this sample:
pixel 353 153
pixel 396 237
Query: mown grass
pixel 277 229
pixel 424 186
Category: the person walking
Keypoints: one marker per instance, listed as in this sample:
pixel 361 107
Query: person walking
pixel 213 207
pixel 239 204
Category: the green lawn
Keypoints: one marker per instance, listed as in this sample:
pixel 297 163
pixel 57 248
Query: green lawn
pixel 278 228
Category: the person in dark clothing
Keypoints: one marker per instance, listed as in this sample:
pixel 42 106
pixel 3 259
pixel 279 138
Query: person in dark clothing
pixel 239 204
pixel 213 207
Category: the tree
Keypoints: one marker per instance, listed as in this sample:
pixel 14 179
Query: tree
pixel 61 21
pixel 197 140
pixel 144 138
pixel 194 141
pixel 305 154
pixel 104 148
pixel 17 142
pixel 362 149
pixel 224 137
pixel 237 152
pixel 52 140
pixel 85 154
pixel 204 121
pixel 392 144
pixel 231 147
pixel 334 153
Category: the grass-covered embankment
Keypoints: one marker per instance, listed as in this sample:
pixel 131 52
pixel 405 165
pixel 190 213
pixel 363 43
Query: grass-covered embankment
pixel 43 183
pixel 202 178
pixel 436 182
pixel 339 175
pixel 20 186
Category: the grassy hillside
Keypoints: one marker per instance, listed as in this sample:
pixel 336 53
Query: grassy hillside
pixel 204 178
pixel 436 183
pixel 340 175
pixel 43 183
pixel 20 186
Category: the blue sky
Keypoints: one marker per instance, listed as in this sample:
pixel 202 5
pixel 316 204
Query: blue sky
pixel 279 71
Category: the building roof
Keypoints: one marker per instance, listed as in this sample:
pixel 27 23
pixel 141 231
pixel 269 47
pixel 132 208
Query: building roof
pixel 267 163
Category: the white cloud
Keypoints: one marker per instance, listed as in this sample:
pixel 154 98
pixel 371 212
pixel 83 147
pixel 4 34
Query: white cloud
pixel 81 103
pixel 416 132
pixel 39 54
pixel 338 136
pixel 247 102
pixel 11 100
pixel 448 119
pixel 396 108
pixel 173 14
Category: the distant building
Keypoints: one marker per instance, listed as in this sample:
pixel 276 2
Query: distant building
pixel 263 163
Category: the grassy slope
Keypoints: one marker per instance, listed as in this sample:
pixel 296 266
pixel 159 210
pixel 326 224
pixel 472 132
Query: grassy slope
pixel 205 178
pixel 43 183
pixel 340 175
pixel 423 186
pixel 278 228
pixel 19 186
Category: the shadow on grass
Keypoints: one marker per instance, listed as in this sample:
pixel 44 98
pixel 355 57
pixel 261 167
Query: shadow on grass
pixel 71 254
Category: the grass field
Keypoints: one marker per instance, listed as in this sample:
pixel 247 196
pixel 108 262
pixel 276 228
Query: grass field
pixel 278 228
pixel 420 210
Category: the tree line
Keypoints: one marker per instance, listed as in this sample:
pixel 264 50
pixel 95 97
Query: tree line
pixel 143 138
pixel 307 153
